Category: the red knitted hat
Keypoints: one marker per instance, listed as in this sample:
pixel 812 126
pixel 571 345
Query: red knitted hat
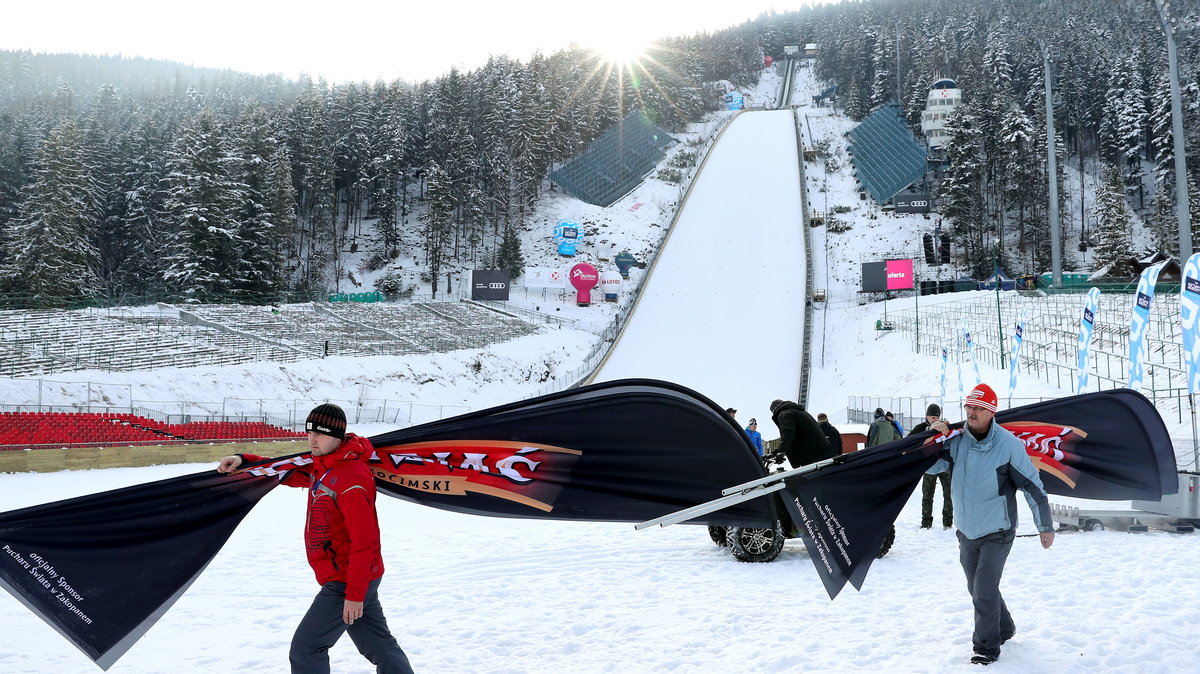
pixel 983 397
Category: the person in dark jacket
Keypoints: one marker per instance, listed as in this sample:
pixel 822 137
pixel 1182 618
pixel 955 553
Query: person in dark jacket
pixel 341 536
pixel 929 482
pixel 832 436
pixel 755 436
pixel 882 431
pixel 899 428
pixel 800 437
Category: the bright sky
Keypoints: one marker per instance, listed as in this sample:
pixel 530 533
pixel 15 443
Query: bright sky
pixel 356 39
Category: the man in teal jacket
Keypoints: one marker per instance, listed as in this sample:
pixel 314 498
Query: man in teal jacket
pixel 987 466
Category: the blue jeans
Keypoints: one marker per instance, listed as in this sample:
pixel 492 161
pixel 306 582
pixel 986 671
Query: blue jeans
pixel 322 626
pixel 983 560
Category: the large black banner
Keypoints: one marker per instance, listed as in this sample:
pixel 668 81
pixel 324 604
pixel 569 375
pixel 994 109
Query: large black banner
pixel 623 451
pixel 1110 445
pixel 101 569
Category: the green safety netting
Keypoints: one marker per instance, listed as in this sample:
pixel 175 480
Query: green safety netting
pixel 615 162
pixel 887 157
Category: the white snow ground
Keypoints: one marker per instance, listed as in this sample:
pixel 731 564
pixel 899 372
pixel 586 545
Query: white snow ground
pixel 474 594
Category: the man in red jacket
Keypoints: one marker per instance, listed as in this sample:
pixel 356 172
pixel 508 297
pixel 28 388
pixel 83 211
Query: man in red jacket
pixel 341 537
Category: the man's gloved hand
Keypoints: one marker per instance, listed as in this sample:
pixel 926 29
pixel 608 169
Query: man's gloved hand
pixel 778 457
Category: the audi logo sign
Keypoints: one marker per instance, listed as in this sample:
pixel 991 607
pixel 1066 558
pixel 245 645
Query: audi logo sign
pixel 489 284
pixel 917 203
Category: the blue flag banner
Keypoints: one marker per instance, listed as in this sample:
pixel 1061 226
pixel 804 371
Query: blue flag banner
pixel 1018 337
pixel 945 355
pixel 1087 325
pixel 1139 321
pixel 1189 310
pixel 971 352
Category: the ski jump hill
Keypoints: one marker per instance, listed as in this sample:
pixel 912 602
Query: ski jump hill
pixel 723 310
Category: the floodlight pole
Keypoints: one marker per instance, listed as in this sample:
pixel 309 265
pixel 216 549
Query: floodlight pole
pixel 1163 7
pixel 1052 170
pixel 999 319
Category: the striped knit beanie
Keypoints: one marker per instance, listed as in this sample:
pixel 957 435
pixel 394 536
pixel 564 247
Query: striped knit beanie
pixel 983 397
pixel 327 419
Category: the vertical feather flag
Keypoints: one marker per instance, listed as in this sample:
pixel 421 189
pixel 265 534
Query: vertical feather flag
pixel 945 354
pixel 1018 337
pixel 1087 325
pixel 1139 321
pixel 1189 310
pixel 971 351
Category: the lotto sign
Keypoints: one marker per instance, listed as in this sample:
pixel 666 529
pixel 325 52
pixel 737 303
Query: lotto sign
pixel 544 277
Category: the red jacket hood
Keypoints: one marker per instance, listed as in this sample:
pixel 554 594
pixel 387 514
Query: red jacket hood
pixel 353 448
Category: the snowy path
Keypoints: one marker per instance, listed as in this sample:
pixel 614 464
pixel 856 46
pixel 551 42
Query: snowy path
pixel 723 312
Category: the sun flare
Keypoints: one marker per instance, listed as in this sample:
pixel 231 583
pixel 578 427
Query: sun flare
pixel 621 50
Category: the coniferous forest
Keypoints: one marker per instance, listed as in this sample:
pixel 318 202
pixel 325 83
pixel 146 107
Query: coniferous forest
pixel 124 178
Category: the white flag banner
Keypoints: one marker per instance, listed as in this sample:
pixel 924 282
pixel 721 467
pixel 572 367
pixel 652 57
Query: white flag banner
pixel 1018 337
pixel 1139 321
pixel 1087 325
pixel 971 351
pixel 1189 310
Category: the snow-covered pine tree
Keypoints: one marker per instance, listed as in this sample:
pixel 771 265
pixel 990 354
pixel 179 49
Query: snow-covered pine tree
pixel 311 149
pixel 509 257
pixel 202 198
pixel 1113 222
pixel 883 60
pixel 143 221
pixel 259 219
pixel 389 166
pixel 438 221
pixel 962 188
pixel 50 253
pixel 531 154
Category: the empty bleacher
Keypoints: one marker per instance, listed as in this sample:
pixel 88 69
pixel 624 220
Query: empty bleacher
pixel 19 430
pixel 887 157
pixel 46 341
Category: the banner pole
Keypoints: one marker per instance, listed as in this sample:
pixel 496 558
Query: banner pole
pixel 783 475
pixel 708 507
pixel 1195 449
pixel 746 491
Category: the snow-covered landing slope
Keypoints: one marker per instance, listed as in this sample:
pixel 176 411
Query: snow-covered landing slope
pixel 723 310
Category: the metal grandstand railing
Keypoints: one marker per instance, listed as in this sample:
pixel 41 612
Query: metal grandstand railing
pixel 615 162
pixel 806 352
pixel 46 341
pixel 1050 340
pixel 887 157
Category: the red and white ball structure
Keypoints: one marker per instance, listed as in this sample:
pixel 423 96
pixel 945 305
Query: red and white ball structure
pixel 583 278
pixel 610 284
